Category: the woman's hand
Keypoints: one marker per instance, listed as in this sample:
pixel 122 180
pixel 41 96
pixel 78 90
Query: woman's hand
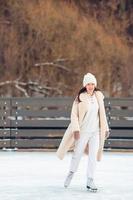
pixel 76 135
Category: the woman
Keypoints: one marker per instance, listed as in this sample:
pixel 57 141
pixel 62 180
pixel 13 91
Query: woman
pixel 87 130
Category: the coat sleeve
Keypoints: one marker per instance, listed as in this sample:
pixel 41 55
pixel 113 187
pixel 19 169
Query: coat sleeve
pixel 107 127
pixel 75 117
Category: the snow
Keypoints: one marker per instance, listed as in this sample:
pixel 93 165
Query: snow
pixel 40 176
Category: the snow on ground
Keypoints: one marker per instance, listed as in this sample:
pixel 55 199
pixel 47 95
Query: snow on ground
pixel 40 176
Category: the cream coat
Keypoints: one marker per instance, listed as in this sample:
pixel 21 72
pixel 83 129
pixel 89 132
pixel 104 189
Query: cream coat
pixel 77 115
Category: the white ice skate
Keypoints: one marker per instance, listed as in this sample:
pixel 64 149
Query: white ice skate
pixel 68 179
pixel 91 185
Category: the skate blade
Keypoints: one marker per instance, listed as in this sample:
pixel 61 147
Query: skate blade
pixel 92 190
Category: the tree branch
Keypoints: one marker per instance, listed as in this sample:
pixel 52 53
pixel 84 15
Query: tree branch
pixel 34 86
pixel 52 64
pixel 22 90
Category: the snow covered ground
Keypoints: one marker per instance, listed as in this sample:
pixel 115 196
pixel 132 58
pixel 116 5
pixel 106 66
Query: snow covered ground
pixel 40 176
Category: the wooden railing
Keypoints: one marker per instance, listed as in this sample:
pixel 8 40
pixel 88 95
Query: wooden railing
pixel 39 123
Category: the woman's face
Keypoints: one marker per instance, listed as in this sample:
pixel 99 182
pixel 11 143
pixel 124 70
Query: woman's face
pixel 90 88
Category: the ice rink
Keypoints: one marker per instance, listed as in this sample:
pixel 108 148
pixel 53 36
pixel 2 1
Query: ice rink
pixel 40 176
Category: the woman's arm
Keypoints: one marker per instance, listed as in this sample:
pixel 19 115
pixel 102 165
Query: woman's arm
pixel 75 117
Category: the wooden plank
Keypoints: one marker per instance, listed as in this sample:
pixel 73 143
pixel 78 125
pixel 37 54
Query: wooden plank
pixel 4 108
pixel 43 113
pixel 107 102
pixel 121 123
pixel 120 113
pixel 116 133
pixel 4 133
pixel 4 123
pixel 4 113
pixel 4 101
pixel 5 143
pixel 36 133
pixel 40 123
pixel 54 143
pixel 35 143
pixel 119 143
pixel 49 101
pixel 125 102
pixel 121 133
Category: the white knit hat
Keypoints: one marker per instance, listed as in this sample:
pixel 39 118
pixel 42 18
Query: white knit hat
pixel 89 78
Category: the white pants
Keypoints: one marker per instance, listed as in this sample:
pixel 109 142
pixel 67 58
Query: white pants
pixel 93 141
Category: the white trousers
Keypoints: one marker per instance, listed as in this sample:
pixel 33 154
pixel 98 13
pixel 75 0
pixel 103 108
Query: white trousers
pixel 93 141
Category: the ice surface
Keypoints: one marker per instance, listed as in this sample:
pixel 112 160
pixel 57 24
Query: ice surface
pixel 40 176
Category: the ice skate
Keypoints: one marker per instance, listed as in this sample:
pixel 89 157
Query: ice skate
pixel 68 179
pixel 91 186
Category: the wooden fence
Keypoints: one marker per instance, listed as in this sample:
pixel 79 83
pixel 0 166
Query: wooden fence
pixel 39 123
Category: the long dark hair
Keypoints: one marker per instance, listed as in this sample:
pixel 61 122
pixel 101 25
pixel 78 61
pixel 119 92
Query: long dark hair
pixel 82 90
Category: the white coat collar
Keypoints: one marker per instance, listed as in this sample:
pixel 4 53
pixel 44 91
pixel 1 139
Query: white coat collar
pixel 84 96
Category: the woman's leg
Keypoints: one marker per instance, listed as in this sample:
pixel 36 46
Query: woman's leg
pixel 78 152
pixel 92 161
pixel 92 157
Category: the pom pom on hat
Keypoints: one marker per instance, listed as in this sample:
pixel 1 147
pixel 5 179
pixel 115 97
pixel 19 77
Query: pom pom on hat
pixel 89 78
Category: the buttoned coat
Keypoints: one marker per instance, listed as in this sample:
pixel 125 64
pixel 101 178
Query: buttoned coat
pixel 78 112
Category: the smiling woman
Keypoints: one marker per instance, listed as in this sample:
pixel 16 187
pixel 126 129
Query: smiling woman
pixel 87 130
